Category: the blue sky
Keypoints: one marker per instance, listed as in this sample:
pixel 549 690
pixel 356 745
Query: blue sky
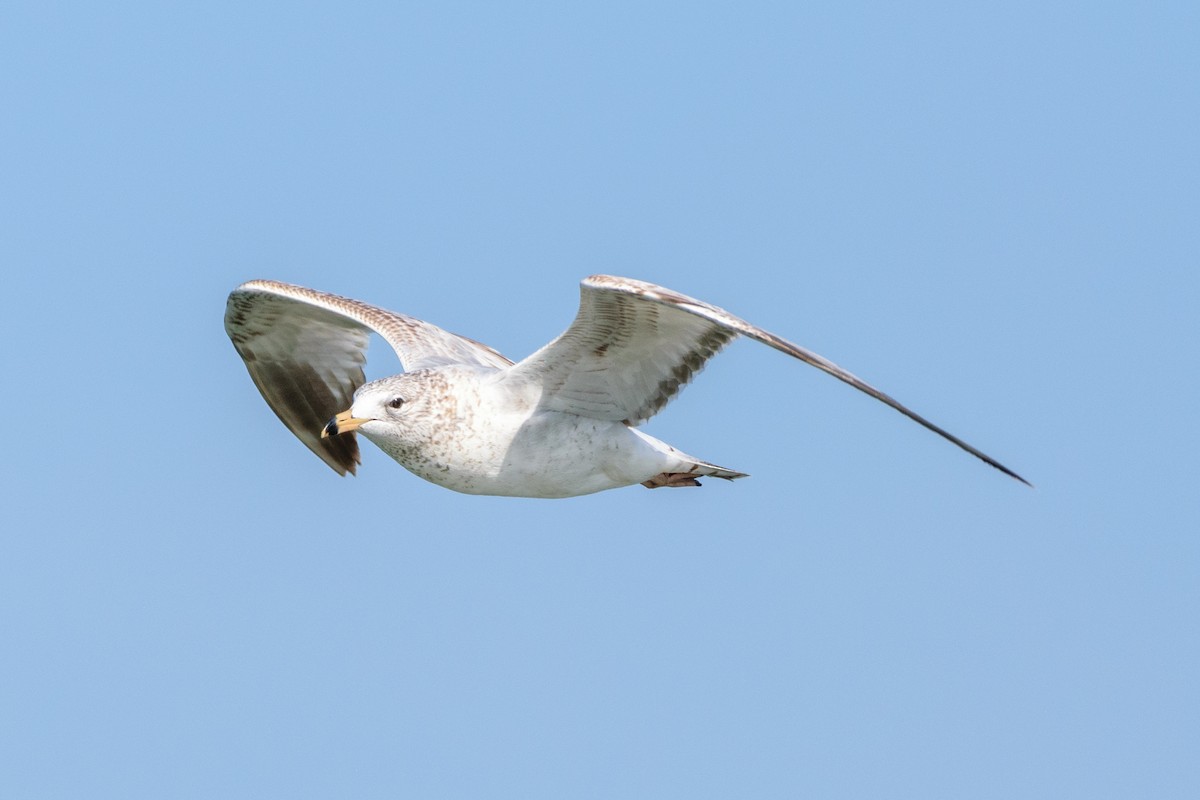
pixel 988 212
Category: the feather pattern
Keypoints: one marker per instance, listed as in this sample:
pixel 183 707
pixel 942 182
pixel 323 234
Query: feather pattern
pixel 634 345
pixel 631 349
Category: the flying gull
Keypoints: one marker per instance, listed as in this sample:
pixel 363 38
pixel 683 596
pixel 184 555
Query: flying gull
pixel 562 422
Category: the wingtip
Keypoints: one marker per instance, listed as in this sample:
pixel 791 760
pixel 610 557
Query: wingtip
pixel 993 463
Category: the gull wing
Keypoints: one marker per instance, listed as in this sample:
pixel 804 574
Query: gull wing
pixel 633 346
pixel 305 351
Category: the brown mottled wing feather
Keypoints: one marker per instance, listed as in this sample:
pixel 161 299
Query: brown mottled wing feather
pixel 305 351
pixel 626 354
pixel 634 345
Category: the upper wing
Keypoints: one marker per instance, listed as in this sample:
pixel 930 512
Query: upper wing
pixel 305 351
pixel 634 345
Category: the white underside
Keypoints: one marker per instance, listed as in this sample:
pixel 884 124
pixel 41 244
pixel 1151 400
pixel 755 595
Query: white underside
pixel 549 454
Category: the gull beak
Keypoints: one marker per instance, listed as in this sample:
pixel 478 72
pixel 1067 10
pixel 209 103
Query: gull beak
pixel 344 422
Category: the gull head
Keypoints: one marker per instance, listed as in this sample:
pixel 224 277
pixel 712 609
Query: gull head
pixel 394 410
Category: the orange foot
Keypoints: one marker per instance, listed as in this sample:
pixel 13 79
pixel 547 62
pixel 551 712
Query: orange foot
pixel 671 479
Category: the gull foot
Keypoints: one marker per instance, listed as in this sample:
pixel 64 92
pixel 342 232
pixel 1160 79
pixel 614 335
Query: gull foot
pixel 671 479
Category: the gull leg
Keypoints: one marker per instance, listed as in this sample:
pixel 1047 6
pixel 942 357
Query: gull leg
pixel 671 479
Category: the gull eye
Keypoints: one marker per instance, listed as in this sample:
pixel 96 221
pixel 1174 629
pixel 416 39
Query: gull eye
pixel 396 402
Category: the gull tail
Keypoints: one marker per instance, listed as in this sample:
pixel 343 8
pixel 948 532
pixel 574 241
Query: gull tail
pixel 680 469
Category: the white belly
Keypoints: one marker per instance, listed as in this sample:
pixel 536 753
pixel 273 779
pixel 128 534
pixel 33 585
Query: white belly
pixel 547 455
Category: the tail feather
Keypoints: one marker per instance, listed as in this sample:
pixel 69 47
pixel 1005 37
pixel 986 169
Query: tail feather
pixel 682 469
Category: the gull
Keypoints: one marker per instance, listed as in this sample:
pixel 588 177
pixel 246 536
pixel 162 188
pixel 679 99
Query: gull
pixel 562 422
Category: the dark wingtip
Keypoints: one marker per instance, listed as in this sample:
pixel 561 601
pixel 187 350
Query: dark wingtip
pixel 984 457
pixel 1012 474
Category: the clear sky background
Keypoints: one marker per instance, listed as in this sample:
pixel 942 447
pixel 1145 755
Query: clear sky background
pixel 990 212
